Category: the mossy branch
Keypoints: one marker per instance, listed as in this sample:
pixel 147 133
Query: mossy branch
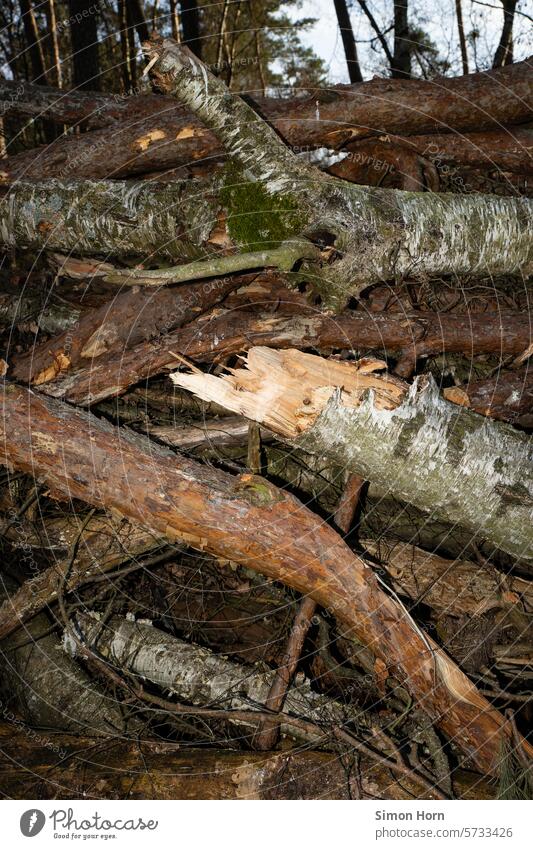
pixel 284 258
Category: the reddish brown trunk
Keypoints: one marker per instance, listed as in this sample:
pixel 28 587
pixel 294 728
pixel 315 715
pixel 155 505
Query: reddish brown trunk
pixel 249 521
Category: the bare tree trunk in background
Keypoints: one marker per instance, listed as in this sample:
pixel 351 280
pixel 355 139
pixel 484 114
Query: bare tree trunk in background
pixel 84 41
pixel 462 39
pixel 50 12
pixel 381 38
pixel 504 52
pixel 174 20
pixel 401 69
pixel 348 40
pixel 125 46
pixel 137 18
pixel 31 34
pixel 190 22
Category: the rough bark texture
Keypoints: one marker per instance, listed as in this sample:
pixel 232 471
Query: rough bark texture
pixel 249 521
pixel 223 334
pixel 449 587
pixel 63 767
pixel 461 466
pixel 152 133
pixel 198 676
pixel 131 317
pixel 381 234
pixel 507 396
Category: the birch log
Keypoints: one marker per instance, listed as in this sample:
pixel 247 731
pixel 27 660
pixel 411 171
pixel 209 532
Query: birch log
pixel 465 468
pixel 199 676
pixel 249 521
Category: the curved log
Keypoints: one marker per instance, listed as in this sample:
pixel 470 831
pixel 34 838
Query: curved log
pixel 249 521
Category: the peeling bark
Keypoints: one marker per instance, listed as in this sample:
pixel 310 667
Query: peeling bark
pixel 464 468
pixel 223 334
pixel 198 676
pixel 249 521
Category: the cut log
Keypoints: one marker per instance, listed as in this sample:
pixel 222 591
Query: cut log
pixel 419 159
pixel 223 334
pixel 70 767
pixel 46 689
pixel 249 521
pixel 151 133
pixel 425 450
pixel 131 317
pixel 198 676
pixel 449 587
pixel 507 396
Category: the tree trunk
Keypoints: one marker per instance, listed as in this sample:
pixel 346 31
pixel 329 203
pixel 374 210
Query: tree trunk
pixel 403 107
pixel 504 51
pixel 84 44
pixel 249 521
pixel 130 318
pixel 428 452
pixel 190 24
pixel 47 689
pixel 449 587
pixel 198 676
pixel 462 39
pixel 380 234
pixel 33 41
pixel 400 107
pixel 51 20
pixel 348 41
pixel 507 396
pixel 157 770
pixel 401 68
pixel 227 333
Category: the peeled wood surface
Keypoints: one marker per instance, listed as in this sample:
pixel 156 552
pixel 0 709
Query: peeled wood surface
pixel 249 521
pixel 151 133
pixel 462 467
pixel 82 767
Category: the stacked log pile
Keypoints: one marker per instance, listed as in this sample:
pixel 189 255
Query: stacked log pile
pixel 267 488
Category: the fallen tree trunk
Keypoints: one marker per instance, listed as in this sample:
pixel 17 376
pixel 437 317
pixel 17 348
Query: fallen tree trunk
pixel 380 234
pixel 198 676
pixel 221 335
pixel 507 396
pixel 419 159
pixel 69 767
pixel 464 468
pixel 377 234
pixel 450 587
pixel 249 521
pixel 150 133
pixel 131 317
pixel 47 689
